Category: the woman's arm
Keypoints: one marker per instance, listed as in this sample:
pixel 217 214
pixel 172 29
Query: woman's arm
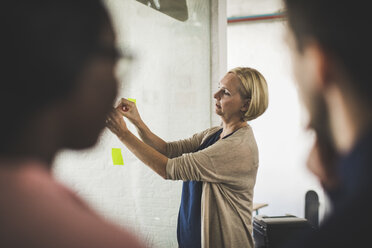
pixel 232 161
pixel 148 155
pixel 130 111
pixel 150 138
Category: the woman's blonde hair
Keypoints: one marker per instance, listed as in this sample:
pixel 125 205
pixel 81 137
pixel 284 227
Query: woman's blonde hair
pixel 254 88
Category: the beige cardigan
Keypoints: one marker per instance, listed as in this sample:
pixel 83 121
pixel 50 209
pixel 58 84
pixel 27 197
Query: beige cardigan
pixel 228 171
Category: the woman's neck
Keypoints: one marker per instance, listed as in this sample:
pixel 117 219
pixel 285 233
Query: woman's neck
pixel 232 126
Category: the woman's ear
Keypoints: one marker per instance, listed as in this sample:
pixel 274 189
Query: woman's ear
pixel 245 106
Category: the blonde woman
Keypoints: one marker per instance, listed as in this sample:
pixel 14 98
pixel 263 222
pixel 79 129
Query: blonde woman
pixel 218 166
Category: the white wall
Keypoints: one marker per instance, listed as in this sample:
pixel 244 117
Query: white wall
pixel 283 178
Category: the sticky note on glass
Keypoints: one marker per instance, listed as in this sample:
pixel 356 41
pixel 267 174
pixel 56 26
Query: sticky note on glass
pixel 132 100
pixel 117 158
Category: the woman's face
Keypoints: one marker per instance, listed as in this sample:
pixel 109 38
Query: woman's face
pixel 229 104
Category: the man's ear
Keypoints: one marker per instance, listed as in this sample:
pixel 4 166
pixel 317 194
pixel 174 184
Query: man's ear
pixel 318 63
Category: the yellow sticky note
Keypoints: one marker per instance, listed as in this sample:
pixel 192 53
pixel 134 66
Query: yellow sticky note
pixel 132 100
pixel 117 158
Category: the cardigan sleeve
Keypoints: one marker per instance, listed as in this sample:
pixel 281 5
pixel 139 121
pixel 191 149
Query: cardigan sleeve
pixel 177 148
pixel 226 161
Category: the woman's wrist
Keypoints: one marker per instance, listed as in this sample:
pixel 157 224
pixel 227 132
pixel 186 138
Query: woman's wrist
pixel 124 134
pixel 140 125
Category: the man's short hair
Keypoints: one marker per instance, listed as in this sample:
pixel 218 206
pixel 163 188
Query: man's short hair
pixel 44 46
pixel 342 29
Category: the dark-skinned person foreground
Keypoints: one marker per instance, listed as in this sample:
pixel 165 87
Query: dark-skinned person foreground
pixel 331 51
pixel 218 166
pixel 57 87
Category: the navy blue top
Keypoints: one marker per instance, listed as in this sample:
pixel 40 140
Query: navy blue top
pixel 349 225
pixel 189 216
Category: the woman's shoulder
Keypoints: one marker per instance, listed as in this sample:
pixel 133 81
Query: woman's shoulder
pixel 242 133
pixel 245 131
pixel 243 138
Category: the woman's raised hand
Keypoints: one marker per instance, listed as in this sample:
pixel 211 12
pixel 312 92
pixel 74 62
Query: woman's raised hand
pixel 115 122
pixel 129 110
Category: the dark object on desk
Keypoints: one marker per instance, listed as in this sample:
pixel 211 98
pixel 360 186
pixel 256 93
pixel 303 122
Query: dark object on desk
pixel 312 208
pixel 274 231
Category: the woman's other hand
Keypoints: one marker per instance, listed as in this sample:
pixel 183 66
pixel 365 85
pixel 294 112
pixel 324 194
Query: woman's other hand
pixel 115 122
pixel 129 110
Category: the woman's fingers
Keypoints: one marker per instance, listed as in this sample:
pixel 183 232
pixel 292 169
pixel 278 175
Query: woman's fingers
pixel 113 116
pixel 112 113
pixel 124 105
pixel 125 108
pixel 128 109
pixel 115 122
pixel 125 102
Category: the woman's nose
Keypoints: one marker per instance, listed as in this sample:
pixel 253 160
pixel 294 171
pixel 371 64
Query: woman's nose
pixel 217 95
